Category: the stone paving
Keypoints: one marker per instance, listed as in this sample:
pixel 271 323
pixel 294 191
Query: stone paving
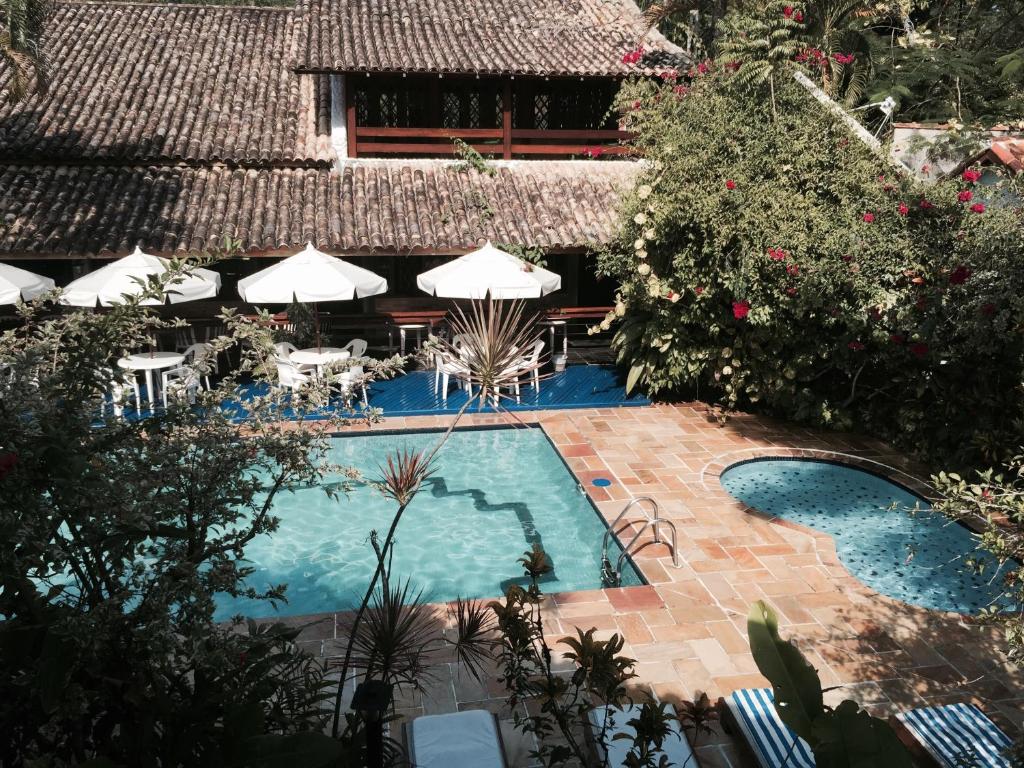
pixel 687 629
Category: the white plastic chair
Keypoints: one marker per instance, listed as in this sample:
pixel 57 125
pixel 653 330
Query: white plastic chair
pixel 180 381
pixel 289 375
pixel 184 338
pixel 124 383
pixel 529 364
pixel 444 370
pixel 285 349
pixel 356 347
pixel 199 359
pixel 346 382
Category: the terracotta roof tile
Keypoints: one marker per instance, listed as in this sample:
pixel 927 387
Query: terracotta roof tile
pixel 163 83
pixel 1010 152
pixel 384 205
pixel 539 37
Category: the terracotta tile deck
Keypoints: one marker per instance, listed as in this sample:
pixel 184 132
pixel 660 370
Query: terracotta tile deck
pixel 687 629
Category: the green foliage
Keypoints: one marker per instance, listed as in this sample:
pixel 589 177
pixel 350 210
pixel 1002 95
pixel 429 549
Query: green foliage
pixel 118 534
pixel 782 266
pixel 991 501
pixel 21 49
pixel 839 737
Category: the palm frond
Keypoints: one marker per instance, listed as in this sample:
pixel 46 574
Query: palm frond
pixel 475 638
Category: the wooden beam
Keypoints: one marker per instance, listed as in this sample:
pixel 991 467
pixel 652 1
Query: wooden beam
pixel 392 148
pixel 506 119
pixel 350 116
pixel 430 133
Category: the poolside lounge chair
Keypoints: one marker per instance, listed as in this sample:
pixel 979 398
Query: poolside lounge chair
pixel 470 739
pixel 676 748
pixel 751 712
pixel 954 735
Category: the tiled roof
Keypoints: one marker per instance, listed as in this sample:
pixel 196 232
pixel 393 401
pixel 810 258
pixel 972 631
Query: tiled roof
pixel 1010 152
pixel 134 83
pixel 539 37
pixel 388 206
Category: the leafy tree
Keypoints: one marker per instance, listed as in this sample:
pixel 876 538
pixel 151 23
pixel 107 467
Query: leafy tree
pixel 783 266
pixel 21 36
pixel 117 536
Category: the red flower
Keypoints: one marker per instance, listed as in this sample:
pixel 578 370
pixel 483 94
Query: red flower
pixel 856 346
pixel 844 58
pixel 777 254
pixel 971 176
pixel 740 309
pixel 903 209
pixel 868 217
pixel 699 290
pixel 636 104
pixel 703 67
pixel 986 494
pixel 730 184
pixel 791 291
pixel 680 90
pixel 965 196
pixel 792 269
pixel 798 17
pixel 897 338
pixel 926 205
pixel 959 275
pixel 988 309
pixel 788 11
pixel 920 349
pixel 978 207
pixel 732 65
pixel 7 463
pixel 593 151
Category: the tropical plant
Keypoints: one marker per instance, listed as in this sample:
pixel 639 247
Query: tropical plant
pixel 784 266
pixel 120 533
pixel 991 501
pixel 22 23
pixel 841 736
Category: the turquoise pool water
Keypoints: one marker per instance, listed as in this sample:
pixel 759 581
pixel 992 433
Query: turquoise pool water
pixel 916 558
pixel 495 493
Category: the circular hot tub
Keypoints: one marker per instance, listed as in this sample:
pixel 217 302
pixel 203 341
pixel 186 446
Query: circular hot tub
pixel 885 535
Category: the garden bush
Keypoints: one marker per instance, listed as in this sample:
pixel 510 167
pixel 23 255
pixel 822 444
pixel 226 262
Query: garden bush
pixel 770 260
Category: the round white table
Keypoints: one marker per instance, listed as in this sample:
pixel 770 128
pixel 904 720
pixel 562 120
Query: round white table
pixel 149 362
pixel 319 357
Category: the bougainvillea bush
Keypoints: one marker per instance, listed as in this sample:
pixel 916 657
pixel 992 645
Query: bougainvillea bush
pixel 774 262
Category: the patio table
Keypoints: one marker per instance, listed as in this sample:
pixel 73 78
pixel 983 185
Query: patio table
pixel 149 362
pixel 319 357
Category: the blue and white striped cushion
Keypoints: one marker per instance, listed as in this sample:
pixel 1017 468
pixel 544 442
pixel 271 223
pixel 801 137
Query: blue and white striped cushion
pixel 958 735
pixel 775 745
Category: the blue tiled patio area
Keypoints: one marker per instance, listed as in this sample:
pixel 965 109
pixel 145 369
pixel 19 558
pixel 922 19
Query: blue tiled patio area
pixel 579 386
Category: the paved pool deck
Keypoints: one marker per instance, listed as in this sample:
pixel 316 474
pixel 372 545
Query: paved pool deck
pixel 687 629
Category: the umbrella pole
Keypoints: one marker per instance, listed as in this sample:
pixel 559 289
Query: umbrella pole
pixel 316 324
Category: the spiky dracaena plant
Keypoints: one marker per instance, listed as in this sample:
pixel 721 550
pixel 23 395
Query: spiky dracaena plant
pixel 495 335
pixel 21 46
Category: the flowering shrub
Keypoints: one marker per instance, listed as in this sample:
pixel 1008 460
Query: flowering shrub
pixel 782 266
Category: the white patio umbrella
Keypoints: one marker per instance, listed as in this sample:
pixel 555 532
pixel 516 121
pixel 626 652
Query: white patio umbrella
pixel 488 270
pixel 108 284
pixel 16 283
pixel 310 276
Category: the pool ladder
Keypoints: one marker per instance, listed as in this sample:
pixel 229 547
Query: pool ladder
pixel 612 577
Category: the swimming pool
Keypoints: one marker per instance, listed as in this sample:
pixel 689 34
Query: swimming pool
pixel 914 557
pixel 495 493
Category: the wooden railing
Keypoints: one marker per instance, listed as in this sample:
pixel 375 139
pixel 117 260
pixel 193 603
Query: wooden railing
pixel 496 142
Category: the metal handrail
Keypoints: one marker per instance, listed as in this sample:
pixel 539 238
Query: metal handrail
pixel 652 519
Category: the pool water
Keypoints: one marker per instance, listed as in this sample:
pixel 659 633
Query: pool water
pixel 495 493
pixel 916 557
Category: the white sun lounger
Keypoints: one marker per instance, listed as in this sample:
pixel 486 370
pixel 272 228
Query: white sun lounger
pixel 676 747
pixel 956 735
pixel 771 740
pixel 468 739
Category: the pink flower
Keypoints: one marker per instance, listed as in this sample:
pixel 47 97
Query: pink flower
pixel 926 205
pixel 919 350
pixel 788 11
pixel 636 104
pixel 856 346
pixel 971 176
pixel 730 184
pixel 965 196
pixel 699 290
pixel 793 269
pixel 791 291
pixel 740 309
pixel 978 207
pixel 777 254
pixel 668 75
pixel 868 217
pixel 959 275
pixel 703 67
pixel 844 58
pixel 680 91
pixel 903 209
pixel 798 17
